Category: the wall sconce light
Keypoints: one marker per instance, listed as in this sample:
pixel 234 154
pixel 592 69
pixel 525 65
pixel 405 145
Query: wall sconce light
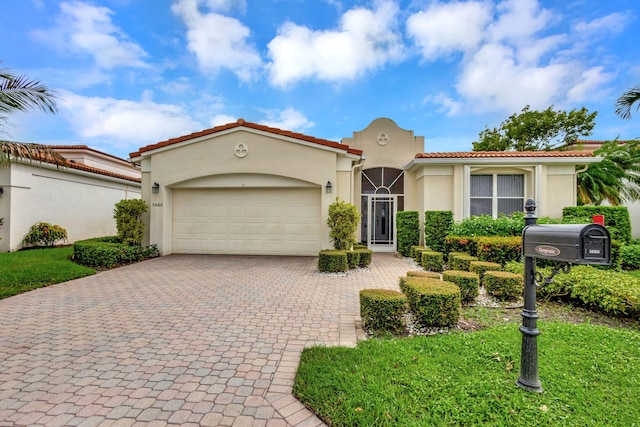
pixel 155 188
pixel 329 187
pixel 1 190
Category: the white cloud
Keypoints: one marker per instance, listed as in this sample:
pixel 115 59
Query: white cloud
pixel 589 84
pixel 218 41
pixel 221 119
pixel 519 20
pixel 365 40
pixel 288 119
pixel 123 121
pixel 86 29
pixel 445 28
pixel 612 23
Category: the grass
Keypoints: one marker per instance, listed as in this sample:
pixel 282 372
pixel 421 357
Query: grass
pixel 590 375
pixel 23 271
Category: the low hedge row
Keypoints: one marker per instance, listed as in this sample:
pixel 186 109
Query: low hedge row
pixel 108 252
pixel 432 261
pixel 503 285
pixel 382 311
pixel 333 261
pixel 434 302
pixel 469 283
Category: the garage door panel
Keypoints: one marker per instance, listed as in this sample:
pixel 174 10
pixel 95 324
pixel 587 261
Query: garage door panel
pixel 247 221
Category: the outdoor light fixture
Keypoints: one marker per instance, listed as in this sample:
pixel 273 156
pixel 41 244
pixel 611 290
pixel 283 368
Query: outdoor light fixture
pixel 328 187
pixel 155 188
pixel 1 190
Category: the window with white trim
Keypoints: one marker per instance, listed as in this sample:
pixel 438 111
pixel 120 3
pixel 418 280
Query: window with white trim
pixel 496 194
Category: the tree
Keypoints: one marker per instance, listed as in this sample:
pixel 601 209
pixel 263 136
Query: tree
pixel 615 179
pixel 626 101
pixel 128 216
pixel 343 221
pixel 537 130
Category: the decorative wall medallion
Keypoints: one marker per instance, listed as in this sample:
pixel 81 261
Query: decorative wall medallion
pixel 241 150
pixel 383 139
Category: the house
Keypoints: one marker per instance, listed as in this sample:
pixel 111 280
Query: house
pixel 79 197
pixel 246 188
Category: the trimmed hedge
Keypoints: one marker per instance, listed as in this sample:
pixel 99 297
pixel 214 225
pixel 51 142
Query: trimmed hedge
pixel 417 252
pixel 382 311
pixel 499 249
pixel 407 231
pixel 433 302
pixel 462 262
pixel 452 255
pixel 616 219
pixel 630 257
pixel 416 276
pixel 365 257
pixel 353 259
pixel 332 261
pixel 437 225
pixel 466 244
pixel 108 252
pixel 503 285
pixel 418 273
pixel 432 261
pixel 469 283
pixel 482 267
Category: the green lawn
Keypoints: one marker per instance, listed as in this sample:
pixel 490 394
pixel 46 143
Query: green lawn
pixel 590 375
pixel 23 271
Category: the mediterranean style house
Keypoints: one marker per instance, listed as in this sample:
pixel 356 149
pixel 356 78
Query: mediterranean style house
pixel 79 197
pixel 245 188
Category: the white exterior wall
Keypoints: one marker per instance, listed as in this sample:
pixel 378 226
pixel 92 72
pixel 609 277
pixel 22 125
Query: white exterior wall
pixel 81 202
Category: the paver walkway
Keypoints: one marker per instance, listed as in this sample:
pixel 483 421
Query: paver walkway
pixel 178 340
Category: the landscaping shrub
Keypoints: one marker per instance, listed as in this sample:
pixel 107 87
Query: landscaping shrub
pixel 462 262
pixel 407 231
pixel 108 252
pixel 128 216
pixel 413 276
pixel 359 246
pixel 616 219
pixel 469 283
pixel 437 224
pixel 466 244
pixel 418 273
pixel 630 257
pixel 452 255
pixel 332 261
pixel 504 225
pixel 417 252
pixel 343 221
pixel 365 257
pixel 432 261
pixel 44 234
pixel 499 249
pixel 382 311
pixel 503 285
pixel 433 302
pixel 353 259
pixel 481 267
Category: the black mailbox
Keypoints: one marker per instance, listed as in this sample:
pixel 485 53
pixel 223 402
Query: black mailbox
pixel 573 243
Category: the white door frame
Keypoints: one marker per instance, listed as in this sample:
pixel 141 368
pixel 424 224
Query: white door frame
pixel 386 245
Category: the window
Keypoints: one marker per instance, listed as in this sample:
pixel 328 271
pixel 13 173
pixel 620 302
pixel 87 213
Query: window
pixel 496 194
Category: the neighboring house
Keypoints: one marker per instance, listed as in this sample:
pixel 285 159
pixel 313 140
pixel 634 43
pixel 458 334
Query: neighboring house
pixel 80 197
pixel 245 188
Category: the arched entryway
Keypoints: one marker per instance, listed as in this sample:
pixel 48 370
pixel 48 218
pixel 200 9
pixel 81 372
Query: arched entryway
pixel 382 193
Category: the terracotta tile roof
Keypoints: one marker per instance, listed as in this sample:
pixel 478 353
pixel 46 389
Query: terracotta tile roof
pixel 91 169
pixel 256 126
pixel 501 154
pixel 85 148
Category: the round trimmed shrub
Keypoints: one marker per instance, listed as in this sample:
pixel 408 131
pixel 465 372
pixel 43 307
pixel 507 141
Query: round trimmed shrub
pixel 453 254
pixel 469 283
pixel 416 252
pixel 503 285
pixel 432 261
pixel 433 302
pixel 365 257
pixel 331 261
pixel 382 311
pixel 418 273
pixel 462 262
pixel 482 267
pixel 353 259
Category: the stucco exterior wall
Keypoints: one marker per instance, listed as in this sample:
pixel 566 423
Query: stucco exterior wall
pixel 560 190
pixel 80 202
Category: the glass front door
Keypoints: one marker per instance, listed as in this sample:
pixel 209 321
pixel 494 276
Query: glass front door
pixel 381 222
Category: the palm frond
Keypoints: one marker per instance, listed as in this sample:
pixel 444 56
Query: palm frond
pixel 18 93
pixel 626 101
pixel 29 152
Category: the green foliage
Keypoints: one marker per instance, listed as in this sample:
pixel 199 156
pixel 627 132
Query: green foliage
pixel 452 255
pixel 499 249
pixel 353 259
pixel 432 261
pixel 462 262
pixel 626 102
pixel 469 283
pixel 333 261
pixel 460 244
pixel 382 311
pixel 503 285
pixel 630 257
pixel 128 216
pixel 419 273
pixel 417 252
pixel 481 267
pixel 365 257
pixel 537 130
pixel 433 302
pixel 437 224
pixel 109 252
pixel 343 221
pixel 44 234
pixel 408 231
pixel 616 219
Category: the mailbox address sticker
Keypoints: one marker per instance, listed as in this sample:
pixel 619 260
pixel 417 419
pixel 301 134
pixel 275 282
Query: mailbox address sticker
pixel 547 250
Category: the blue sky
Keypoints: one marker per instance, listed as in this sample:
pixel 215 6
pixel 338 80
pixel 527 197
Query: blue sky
pixel 134 72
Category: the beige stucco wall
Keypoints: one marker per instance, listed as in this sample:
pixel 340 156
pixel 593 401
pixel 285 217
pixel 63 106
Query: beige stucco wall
pixel 271 161
pixel 80 202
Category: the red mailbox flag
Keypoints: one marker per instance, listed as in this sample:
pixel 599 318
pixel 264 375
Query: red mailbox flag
pixel 598 219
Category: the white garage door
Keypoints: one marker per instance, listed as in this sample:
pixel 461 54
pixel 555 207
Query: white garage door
pixel 270 221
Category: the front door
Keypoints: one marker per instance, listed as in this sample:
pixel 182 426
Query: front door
pixel 381 222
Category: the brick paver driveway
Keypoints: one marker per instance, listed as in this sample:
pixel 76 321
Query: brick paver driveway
pixel 178 340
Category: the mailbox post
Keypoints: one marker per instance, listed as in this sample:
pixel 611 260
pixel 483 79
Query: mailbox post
pixel 567 244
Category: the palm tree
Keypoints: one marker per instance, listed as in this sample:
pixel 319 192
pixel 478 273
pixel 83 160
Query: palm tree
pixel 18 93
pixel 626 101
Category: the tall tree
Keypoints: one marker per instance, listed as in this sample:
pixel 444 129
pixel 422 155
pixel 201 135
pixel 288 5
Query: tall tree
pixel 532 130
pixel 19 93
pixel 626 101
